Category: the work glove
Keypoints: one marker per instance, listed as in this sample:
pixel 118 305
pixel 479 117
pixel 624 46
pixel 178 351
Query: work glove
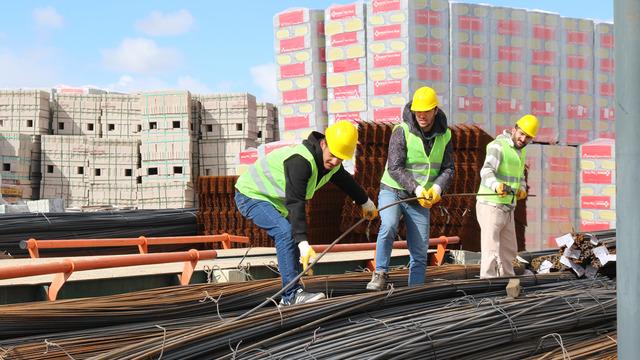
pixel 434 194
pixel 424 199
pixel 369 210
pixel 521 194
pixel 307 255
pixel 504 189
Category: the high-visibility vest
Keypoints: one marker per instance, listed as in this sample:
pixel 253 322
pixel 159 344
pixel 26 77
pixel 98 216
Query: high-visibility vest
pixel 424 168
pixel 510 171
pixel 265 179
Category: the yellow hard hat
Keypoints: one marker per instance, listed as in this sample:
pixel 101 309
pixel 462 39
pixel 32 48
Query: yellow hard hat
pixel 424 99
pixel 529 125
pixel 342 137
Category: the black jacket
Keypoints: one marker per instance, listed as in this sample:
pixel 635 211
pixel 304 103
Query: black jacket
pixel 398 153
pixel 297 172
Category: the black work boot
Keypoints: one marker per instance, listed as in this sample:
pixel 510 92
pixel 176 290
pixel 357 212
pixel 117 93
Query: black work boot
pixel 378 281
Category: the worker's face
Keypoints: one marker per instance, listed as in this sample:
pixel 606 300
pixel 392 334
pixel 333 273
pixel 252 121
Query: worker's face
pixel 520 139
pixel 328 159
pixel 426 118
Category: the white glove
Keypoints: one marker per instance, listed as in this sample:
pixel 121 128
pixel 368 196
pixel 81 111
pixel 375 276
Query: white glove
pixel 369 210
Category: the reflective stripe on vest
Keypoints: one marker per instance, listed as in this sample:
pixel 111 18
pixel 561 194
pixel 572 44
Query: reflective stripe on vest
pixel 510 171
pixel 424 169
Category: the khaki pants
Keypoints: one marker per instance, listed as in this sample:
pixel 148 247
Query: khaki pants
pixel 497 241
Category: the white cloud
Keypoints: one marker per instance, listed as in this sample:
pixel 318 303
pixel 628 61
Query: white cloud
pixel 264 76
pixel 193 85
pixel 47 17
pixel 159 24
pixel 141 56
pixel 130 84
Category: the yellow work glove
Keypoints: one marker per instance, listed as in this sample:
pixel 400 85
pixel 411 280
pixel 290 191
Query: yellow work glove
pixel 504 189
pixel 424 199
pixel 434 195
pixel 307 255
pixel 521 194
pixel 369 210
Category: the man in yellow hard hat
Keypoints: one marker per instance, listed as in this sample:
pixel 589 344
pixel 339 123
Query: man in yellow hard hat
pixel 420 163
pixel 502 184
pixel 274 191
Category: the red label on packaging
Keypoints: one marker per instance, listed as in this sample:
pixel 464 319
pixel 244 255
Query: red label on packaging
pixel 387 115
pixel 385 5
pixel 322 54
pixel 543 32
pixel 577 112
pixel 291 18
pixel 597 176
pixel 607 65
pixel 470 77
pixel 388 59
pixel 546 134
pixel 597 151
pixel 320 27
pixel 580 86
pixel 509 27
pixel 575 137
pixel 607 134
pixel 294 96
pixel 387 87
pixel 470 50
pixel 558 215
pixel 293 44
pixel 469 23
pixel 607 89
pixel 344 39
pixel 542 108
pixel 595 202
pixel 606 41
pixel 342 11
pixel 346 65
pixel 509 53
pixel 353 117
pixel 426 73
pixel 607 114
pixel 542 83
pixel 561 190
pixel 595 225
pixel 541 57
pixel 509 79
pixel 429 45
pixel 471 104
pixel 292 70
pixel 577 37
pixel 346 92
pixel 323 80
pixel 506 106
pixel 296 122
pixel 576 62
pixel 248 157
pixel 428 17
pixel 555 163
pixel 387 32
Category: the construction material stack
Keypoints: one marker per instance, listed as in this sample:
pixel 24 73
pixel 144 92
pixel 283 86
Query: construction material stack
pixel 597 185
pixel 533 231
pixel 267 119
pixel 65 169
pixel 77 114
pixel 407 47
pixel 301 71
pixel 120 116
pixel 604 78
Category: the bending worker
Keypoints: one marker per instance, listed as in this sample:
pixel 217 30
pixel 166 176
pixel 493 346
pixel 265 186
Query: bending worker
pixel 274 191
pixel 502 174
pixel 420 163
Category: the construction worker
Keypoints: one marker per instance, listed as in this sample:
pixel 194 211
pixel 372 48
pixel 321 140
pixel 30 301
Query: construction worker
pixel 502 174
pixel 274 191
pixel 419 164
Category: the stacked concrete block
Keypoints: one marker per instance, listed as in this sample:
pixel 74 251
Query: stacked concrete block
pixel 597 185
pixel 559 185
pixel 543 73
pixel 267 119
pixel 24 112
pixel 470 68
pixel 577 123
pixel 65 169
pixel 113 167
pixel 508 48
pixel 20 164
pixel 345 33
pixel 604 77
pixel 300 72
pixel 77 115
pixel 120 116
pixel 533 231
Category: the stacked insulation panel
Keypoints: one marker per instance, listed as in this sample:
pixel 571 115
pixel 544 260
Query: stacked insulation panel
pixel 24 112
pixel 120 116
pixel 470 68
pixel 597 185
pixel 604 78
pixel 533 231
pixel 345 33
pixel 407 48
pixel 559 169
pixel 577 123
pixel 228 126
pixel 77 114
pixel 543 73
pixel 112 169
pixel 20 161
pixel 508 48
pixel 300 72
pixel 168 144
pixel 267 119
pixel 65 169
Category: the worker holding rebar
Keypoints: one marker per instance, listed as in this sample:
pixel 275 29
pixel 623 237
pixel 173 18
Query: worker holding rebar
pixel 274 191
pixel 502 174
pixel 419 163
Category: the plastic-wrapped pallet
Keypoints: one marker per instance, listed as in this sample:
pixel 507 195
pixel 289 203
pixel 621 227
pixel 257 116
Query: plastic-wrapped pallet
pixel 24 112
pixel 20 160
pixel 543 73
pixel 300 71
pixel 559 185
pixel 470 49
pixel 113 171
pixel 266 117
pixel 604 77
pixel 508 41
pixel 249 156
pixel 77 114
pixel 64 169
pixel 577 123
pixel 597 185
pixel 345 33
pixel 533 231
pixel 120 116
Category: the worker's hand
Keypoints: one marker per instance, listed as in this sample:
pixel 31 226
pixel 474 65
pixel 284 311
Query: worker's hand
pixel 434 195
pixel 521 194
pixel 504 189
pixel 307 255
pixel 369 210
pixel 424 199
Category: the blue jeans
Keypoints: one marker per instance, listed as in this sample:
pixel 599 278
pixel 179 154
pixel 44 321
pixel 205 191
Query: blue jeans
pixel 416 219
pixel 266 217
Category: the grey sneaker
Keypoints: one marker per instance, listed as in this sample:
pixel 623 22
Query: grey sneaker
pixel 302 297
pixel 378 281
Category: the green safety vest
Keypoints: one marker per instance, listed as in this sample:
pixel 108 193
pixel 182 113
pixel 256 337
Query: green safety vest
pixel 424 168
pixel 510 171
pixel 265 179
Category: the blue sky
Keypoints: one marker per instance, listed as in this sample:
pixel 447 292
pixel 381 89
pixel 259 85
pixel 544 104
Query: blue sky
pixel 202 46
